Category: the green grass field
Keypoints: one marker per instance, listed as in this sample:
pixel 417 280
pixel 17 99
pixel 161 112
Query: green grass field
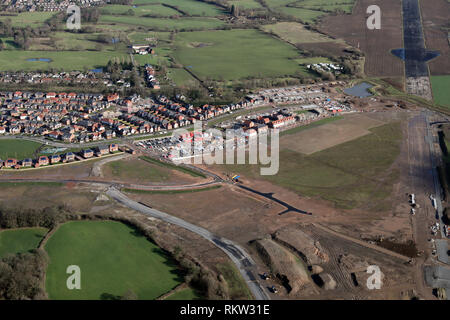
pixel 180 76
pixel 173 167
pixel 185 294
pixel 305 15
pixel 18 149
pixel 20 240
pixel 351 174
pixel 24 19
pixel 252 53
pixel 113 259
pixel 190 7
pixel 12 60
pixel 138 169
pixel 327 5
pixel 441 91
pixel 245 4
pixel 163 24
pixel 295 32
pixel 157 10
pixel 309 10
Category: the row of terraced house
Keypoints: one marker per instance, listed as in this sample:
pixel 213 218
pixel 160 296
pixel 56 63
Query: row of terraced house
pixel 77 117
pixel 47 5
pixel 64 78
pixel 12 163
pixel 63 116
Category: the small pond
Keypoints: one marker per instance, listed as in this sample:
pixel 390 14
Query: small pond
pixel 40 59
pixel 359 90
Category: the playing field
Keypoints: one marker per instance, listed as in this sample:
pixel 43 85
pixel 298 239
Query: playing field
pixel 113 258
pixel 252 54
pixel 441 92
pixel 20 240
pixel 12 60
pixel 18 149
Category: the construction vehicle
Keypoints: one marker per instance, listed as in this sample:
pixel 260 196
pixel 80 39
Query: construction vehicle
pixel 434 203
pixel 413 198
pixel 265 276
pixel 235 178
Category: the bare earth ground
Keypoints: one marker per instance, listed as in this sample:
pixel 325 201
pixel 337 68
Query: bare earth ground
pixel 435 16
pixel 324 137
pixel 376 44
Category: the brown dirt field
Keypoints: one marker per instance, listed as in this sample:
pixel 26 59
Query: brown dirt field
pixel 346 257
pixel 224 211
pixel 376 44
pixel 69 171
pixel 435 16
pixel 25 196
pixel 331 134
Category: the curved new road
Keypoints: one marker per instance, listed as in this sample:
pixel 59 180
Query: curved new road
pixel 238 255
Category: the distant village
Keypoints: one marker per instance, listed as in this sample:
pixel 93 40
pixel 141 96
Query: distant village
pixel 47 5
pixel 92 77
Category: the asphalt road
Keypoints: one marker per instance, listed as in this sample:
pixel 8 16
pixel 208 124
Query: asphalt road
pixel 238 255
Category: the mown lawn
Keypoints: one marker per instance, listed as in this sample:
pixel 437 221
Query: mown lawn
pixel 20 240
pixel 18 149
pixel 113 258
pixel 235 54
